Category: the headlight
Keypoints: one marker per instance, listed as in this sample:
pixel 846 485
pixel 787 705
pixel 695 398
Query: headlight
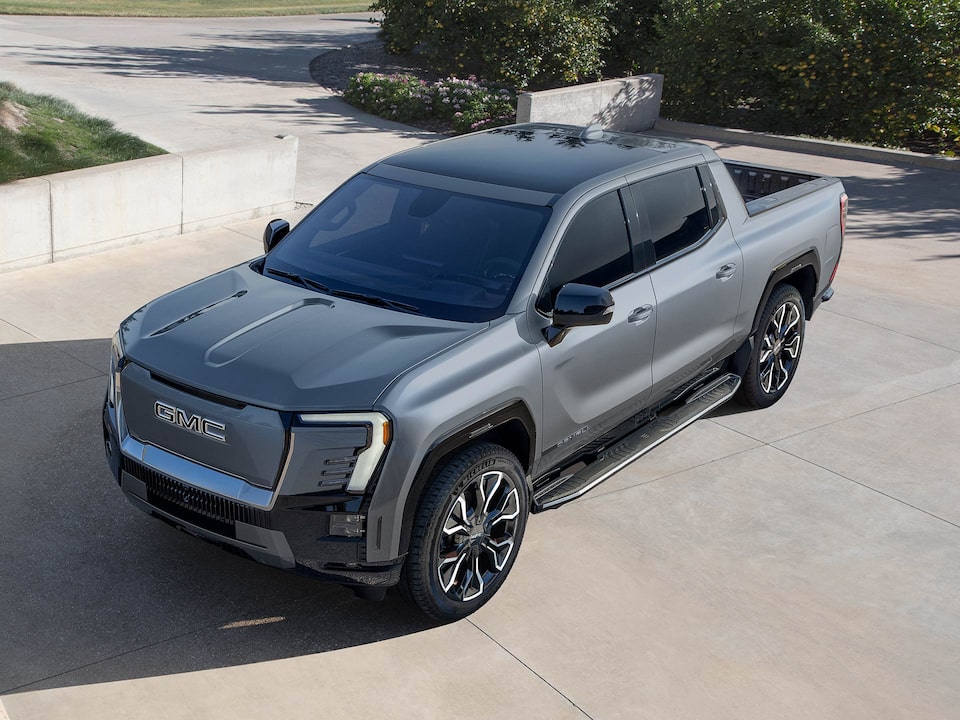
pixel 378 437
pixel 117 361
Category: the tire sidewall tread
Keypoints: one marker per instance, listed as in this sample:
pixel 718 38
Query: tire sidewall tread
pixel 751 393
pixel 418 578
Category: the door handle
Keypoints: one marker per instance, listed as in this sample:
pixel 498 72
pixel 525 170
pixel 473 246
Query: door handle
pixel 725 272
pixel 640 315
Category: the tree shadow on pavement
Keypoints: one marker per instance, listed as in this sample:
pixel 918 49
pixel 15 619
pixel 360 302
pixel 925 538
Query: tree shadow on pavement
pixel 331 112
pixel 277 58
pixel 919 202
pixel 94 590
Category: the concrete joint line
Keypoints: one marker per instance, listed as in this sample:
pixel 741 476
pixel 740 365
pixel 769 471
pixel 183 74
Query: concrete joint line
pixel 101 376
pixel 851 417
pixel 884 327
pixel 599 494
pixel 541 677
pixel 3 711
pixel 867 487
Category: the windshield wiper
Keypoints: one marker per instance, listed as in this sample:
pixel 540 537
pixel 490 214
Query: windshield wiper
pixel 300 280
pixel 375 300
pixel 347 294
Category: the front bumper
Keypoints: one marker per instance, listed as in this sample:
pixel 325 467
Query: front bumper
pixel 291 532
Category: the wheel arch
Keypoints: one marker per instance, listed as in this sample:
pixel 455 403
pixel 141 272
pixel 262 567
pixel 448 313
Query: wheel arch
pixel 511 426
pixel 803 272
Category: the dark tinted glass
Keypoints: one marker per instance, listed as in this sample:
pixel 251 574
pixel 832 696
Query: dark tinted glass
pixel 452 256
pixel 595 250
pixel 675 209
pixel 710 190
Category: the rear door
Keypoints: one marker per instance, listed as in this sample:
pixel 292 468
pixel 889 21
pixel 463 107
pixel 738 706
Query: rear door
pixel 596 377
pixel 696 272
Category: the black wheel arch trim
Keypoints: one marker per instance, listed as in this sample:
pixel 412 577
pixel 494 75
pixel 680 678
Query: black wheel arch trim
pixel 474 431
pixel 811 259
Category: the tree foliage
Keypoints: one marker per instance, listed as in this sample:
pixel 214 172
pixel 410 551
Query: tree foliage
pixel 521 42
pixel 884 71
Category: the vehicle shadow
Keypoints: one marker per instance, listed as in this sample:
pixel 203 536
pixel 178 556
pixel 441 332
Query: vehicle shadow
pixel 94 590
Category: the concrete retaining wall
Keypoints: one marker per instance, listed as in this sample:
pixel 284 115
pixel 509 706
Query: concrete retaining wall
pixel 631 104
pixel 25 233
pixel 85 211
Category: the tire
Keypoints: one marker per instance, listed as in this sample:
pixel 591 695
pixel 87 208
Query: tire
pixel 776 349
pixel 460 552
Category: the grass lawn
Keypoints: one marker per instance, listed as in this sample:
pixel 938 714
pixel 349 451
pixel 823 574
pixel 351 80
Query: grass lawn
pixel 40 134
pixel 178 8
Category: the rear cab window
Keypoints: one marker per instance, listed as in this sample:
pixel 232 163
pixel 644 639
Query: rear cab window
pixel 677 210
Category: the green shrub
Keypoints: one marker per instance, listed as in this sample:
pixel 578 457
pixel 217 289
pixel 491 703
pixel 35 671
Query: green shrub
pixel 883 71
pixel 520 42
pixel 467 105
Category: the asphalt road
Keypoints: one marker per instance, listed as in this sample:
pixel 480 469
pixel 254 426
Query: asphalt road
pixel 799 562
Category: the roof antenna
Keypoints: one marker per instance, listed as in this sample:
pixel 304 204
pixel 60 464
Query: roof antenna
pixel 592 132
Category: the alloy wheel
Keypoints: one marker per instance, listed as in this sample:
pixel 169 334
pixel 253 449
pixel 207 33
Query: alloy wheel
pixel 780 347
pixel 478 536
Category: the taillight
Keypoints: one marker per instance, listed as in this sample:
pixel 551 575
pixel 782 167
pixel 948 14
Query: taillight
pixel 843 231
pixel 843 215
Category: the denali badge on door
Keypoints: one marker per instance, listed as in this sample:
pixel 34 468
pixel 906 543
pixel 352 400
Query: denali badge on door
pixel 200 425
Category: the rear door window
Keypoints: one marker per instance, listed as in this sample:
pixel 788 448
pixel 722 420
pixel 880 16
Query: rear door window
pixel 676 211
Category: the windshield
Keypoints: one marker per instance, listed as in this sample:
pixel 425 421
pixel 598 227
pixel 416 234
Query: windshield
pixel 443 254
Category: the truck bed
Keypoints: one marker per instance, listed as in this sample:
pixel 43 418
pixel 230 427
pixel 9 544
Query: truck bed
pixel 764 187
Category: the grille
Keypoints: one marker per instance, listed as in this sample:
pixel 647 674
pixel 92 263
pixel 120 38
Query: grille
pixel 198 507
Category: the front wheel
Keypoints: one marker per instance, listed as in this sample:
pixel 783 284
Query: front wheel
pixel 776 349
pixel 467 532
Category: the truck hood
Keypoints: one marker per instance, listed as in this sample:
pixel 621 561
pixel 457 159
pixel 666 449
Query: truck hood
pixel 265 342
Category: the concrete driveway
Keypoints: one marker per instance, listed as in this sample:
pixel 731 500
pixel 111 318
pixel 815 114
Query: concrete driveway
pixel 800 562
pixel 201 83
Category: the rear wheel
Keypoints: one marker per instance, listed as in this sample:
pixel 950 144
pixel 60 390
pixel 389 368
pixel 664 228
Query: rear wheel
pixel 776 349
pixel 467 532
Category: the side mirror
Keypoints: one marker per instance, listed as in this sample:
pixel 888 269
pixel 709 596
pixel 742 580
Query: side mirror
pixel 275 231
pixel 579 306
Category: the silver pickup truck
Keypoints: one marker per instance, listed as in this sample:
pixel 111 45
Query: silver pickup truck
pixel 460 335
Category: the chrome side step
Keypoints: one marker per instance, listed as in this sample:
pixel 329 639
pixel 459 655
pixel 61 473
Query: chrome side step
pixel 641 441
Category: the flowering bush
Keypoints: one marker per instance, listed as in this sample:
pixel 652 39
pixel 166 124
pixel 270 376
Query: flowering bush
pixel 468 104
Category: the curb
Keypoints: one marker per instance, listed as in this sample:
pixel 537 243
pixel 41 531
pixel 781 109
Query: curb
pixel 849 151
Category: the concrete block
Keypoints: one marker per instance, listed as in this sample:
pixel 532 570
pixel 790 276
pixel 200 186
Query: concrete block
pixel 238 183
pixel 98 208
pixel 630 104
pixel 25 224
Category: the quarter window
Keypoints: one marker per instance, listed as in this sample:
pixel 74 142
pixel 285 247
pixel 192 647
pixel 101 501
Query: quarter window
pixel 595 249
pixel 676 211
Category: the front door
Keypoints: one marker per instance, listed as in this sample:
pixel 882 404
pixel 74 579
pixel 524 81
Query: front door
pixel 597 377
